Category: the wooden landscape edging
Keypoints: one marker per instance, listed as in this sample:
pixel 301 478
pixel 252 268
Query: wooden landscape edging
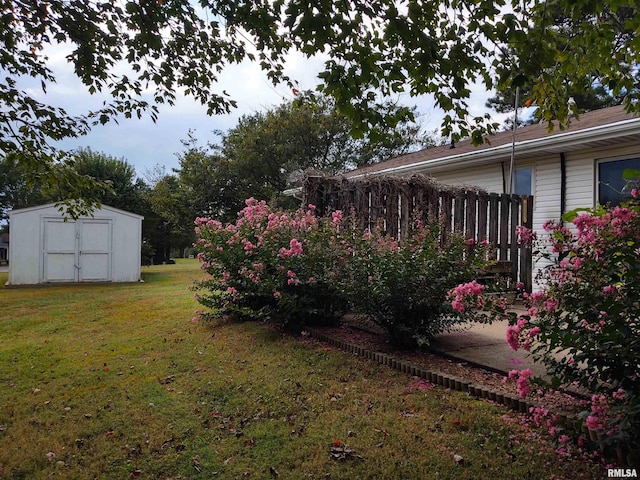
pixel 459 384
pixel 392 204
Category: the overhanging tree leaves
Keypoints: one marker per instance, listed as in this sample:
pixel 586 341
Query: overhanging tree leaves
pixel 139 54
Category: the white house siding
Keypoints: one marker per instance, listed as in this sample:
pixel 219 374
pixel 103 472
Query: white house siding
pixel 581 173
pixel 487 177
pixel 45 248
pixel 546 201
pixel 581 183
pixel 546 191
pixel 545 188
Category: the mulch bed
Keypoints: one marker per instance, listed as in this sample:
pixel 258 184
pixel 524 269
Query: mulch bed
pixel 357 331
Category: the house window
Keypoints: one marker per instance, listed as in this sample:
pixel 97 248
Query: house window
pixel 522 181
pixel 611 183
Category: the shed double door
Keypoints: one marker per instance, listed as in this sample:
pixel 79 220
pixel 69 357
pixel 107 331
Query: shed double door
pixel 77 251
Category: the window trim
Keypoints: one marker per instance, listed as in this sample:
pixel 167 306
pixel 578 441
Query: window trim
pixel 531 167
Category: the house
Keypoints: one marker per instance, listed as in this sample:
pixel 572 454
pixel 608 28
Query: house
pixel 49 248
pixel 4 248
pixel 580 166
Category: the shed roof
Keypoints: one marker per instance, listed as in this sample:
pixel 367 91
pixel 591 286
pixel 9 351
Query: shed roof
pixel 49 205
pixel 603 127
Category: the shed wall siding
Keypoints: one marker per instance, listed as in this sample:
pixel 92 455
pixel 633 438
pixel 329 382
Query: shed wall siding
pixel 127 231
pixel 25 254
pixel 27 241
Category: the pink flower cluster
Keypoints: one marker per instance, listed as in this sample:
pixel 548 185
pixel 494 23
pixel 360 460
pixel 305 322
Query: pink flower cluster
pixel 254 212
pixel 525 236
pixel 292 278
pixel 560 235
pixel 523 379
pixel 471 291
pixel 513 335
pixel 599 409
pixel 295 249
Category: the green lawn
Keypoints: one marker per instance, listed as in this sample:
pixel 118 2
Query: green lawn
pixel 115 382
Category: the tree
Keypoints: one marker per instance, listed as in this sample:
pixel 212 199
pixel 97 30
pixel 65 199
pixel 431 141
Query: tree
pixel 261 156
pixel 124 50
pixel 172 221
pixel 584 97
pixel 122 190
pixel 308 133
pixel 574 50
pixel 15 190
pixel 582 94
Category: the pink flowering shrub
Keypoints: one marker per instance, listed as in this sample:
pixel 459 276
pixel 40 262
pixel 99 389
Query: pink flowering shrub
pixel 300 269
pixel 270 262
pixel 584 325
pixel 402 286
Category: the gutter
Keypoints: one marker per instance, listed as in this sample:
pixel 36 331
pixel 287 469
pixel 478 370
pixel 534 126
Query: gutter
pixel 567 139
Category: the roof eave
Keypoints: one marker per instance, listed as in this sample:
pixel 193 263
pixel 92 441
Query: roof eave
pixel 561 140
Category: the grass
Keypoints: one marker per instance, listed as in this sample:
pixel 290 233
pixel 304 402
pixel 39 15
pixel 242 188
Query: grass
pixel 115 382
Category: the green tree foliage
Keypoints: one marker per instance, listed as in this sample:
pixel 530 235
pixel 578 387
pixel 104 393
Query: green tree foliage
pixel 582 93
pixel 121 188
pixel 15 190
pixel 265 152
pixel 139 54
pixel 212 185
pixel 310 132
pixel 583 50
pixel 170 217
pixel 585 97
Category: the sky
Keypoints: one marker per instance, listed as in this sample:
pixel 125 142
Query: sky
pixel 146 145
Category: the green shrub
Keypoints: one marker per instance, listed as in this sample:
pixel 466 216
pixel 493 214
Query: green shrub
pixel 301 270
pixel 402 286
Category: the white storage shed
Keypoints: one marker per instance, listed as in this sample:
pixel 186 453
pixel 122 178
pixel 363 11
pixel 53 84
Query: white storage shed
pixel 46 248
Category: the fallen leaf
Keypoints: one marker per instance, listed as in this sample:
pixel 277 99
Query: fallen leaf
pixel 273 472
pixel 458 459
pixel 196 463
pixel 343 452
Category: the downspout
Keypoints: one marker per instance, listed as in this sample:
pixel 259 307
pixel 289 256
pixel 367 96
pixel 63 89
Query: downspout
pixel 563 186
pixel 504 179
